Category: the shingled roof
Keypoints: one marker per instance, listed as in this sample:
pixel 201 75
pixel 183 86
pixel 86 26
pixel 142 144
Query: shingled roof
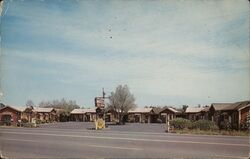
pixel 222 106
pixel 17 108
pixel 157 110
pixel 205 109
pixel 170 109
pixel 42 110
pixel 82 111
pixel 241 105
pixel 230 106
pixel 20 108
pixel 193 109
pixel 140 110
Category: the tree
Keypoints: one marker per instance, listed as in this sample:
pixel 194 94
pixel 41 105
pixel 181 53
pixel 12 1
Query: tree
pixel 30 103
pixel 121 101
pixel 2 105
pixel 184 107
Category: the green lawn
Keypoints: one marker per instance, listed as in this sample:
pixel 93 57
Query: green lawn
pixel 214 132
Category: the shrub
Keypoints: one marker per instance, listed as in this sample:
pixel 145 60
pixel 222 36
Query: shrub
pixel 24 120
pixel 204 125
pixel 180 123
pixel 245 125
pixel 38 121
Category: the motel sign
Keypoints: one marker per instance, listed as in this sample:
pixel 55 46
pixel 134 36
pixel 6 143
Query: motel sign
pixel 99 102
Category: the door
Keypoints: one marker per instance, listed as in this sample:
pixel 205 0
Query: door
pixel 6 120
pixel 107 118
pixel 137 118
pixel 87 118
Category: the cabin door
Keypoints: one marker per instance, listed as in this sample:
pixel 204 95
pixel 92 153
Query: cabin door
pixel 6 119
pixel 87 118
pixel 108 118
pixel 137 118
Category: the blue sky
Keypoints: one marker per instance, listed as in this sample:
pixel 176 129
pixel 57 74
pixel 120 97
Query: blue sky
pixel 167 52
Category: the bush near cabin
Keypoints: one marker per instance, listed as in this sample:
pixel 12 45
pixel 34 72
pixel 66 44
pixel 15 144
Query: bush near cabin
pixel 245 125
pixel 180 124
pixel 24 120
pixel 204 125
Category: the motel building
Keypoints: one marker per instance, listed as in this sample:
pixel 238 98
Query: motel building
pixel 45 114
pixel 87 115
pixel 233 115
pixel 193 113
pixel 10 115
pixel 111 115
pixel 168 113
pixel 140 115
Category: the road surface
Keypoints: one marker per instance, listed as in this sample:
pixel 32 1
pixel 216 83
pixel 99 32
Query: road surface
pixel 83 143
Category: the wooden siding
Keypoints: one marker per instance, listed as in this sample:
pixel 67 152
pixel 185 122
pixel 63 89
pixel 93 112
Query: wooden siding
pixel 8 111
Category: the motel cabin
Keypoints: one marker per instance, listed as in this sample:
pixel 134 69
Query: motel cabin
pixel 10 115
pixel 111 115
pixel 193 113
pixel 87 115
pixel 45 114
pixel 204 114
pixel 168 113
pixel 231 115
pixel 140 115
pixel 155 117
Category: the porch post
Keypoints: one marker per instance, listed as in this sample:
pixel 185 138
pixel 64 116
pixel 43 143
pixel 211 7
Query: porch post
pixel 167 123
pixel 29 117
pixel 239 119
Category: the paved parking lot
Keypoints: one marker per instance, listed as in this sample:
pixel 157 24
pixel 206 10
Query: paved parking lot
pixel 129 127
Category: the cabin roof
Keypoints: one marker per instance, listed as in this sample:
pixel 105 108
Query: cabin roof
pixel 82 111
pixel 42 110
pixel 193 109
pixel 141 110
pixel 17 108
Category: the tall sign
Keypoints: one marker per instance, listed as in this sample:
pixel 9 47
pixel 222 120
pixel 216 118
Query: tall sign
pixel 100 112
pixel 99 102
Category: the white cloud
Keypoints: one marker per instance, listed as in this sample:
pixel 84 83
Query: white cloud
pixel 158 76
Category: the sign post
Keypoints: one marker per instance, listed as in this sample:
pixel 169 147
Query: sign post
pixel 100 111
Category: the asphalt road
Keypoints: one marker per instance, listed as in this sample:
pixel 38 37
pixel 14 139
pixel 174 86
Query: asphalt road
pixel 47 142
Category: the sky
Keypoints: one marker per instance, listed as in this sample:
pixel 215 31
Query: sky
pixel 167 52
